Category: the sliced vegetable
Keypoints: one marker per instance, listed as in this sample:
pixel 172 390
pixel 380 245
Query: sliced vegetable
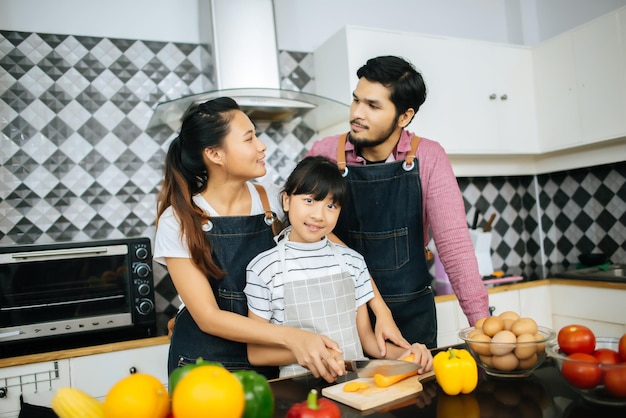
pixel 355 386
pixel 455 371
pixel 384 381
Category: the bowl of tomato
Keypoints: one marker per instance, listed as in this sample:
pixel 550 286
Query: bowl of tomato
pixel 595 367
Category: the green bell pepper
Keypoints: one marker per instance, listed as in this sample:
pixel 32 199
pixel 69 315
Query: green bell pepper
pixel 259 396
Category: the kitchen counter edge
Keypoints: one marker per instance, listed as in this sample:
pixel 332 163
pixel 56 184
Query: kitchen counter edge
pixel 148 342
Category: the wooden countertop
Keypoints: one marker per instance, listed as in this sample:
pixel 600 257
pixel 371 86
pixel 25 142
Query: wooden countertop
pixel 147 342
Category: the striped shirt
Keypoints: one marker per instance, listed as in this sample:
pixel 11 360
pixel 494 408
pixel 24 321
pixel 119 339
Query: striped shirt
pixel 265 279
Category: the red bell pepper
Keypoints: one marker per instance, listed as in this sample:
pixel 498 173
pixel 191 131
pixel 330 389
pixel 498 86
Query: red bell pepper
pixel 314 408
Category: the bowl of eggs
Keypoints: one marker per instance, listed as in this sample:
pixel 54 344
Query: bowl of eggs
pixel 507 345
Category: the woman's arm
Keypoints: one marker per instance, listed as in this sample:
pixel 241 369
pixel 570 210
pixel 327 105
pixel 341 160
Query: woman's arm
pixel 311 350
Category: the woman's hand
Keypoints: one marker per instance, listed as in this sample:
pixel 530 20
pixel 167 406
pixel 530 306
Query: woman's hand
pixel 423 357
pixel 321 355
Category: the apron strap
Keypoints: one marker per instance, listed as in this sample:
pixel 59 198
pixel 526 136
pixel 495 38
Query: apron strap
pixel 270 217
pixel 341 153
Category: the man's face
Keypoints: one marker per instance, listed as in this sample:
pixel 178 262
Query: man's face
pixel 372 115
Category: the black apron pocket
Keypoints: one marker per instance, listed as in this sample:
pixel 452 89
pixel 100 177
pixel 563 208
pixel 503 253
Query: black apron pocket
pixel 383 251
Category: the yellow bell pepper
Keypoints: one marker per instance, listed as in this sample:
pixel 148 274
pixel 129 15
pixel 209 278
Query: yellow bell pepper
pixel 455 371
pixel 466 406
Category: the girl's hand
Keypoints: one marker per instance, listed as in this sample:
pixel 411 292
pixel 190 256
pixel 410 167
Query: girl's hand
pixel 386 329
pixel 321 355
pixel 422 356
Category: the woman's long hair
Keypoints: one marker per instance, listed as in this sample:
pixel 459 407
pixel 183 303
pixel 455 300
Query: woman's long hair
pixel 185 174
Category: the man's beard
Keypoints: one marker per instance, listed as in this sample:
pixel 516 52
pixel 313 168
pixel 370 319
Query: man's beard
pixel 372 142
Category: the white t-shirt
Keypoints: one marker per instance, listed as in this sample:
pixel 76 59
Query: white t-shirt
pixel 168 241
pixel 265 279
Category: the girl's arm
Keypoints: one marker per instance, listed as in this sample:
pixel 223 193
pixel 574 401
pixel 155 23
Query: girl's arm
pixel 311 350
pixel 422 354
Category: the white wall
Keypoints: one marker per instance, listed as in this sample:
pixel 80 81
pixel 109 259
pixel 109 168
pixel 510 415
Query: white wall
pixel 155 20
pixel 303 25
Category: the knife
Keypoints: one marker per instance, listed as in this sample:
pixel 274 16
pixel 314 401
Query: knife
pixel 368 368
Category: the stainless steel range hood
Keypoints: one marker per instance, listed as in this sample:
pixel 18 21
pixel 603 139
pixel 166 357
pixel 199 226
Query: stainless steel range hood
pixel 245 66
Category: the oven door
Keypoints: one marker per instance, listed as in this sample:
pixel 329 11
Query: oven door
pixel 54 292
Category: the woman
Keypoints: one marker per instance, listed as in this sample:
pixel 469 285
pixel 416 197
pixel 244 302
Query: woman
pixel 211 221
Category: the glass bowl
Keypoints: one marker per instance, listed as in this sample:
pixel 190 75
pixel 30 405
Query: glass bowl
pixel 521 359
pixel 597 394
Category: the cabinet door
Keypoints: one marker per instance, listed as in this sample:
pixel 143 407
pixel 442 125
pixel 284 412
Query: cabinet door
pixel 96 374
pixel 504 301
pixel 555 89
pixel 600 73
pixel 600 309
pixel 38 382
pixel 535 303
pixel 447 323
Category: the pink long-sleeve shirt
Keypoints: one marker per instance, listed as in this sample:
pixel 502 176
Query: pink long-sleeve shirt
pixel 444 214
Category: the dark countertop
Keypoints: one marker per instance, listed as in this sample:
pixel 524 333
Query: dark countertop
pixel 545 394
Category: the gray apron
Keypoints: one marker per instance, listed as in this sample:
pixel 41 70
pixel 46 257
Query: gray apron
pixel 325 305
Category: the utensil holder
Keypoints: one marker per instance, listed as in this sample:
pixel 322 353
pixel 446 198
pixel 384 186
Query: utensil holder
pixel 482 249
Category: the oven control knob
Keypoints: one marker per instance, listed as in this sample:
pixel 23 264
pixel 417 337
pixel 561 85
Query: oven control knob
pixel 145 306
pixel 143 289
pixel 141 253
pixel 142 270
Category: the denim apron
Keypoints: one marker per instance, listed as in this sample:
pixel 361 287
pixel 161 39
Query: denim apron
pixel 382 220
pixel 235 241
pixel 325 305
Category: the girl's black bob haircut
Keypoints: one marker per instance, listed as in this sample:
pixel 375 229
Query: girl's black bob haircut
pixel 319 177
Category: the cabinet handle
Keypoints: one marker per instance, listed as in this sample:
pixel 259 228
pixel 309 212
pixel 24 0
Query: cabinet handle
pixel 504 97
pixel 132 370
pixel 492 96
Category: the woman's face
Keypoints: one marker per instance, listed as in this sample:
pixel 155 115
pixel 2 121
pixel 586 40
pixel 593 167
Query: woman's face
pixel 243 151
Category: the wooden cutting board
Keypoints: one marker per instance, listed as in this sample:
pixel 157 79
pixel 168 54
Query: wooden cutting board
pixel 375 396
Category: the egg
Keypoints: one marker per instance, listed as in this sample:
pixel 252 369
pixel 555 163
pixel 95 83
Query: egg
pixel 528 362
pixel 540 346
pixel 526 346
pixel 479 346
pixel 473 333
pixel 508 323
pixel 493 325
pixel 479 324
pixel 503 343
pixel 507 362
pixel 509 315
pixel 524 326
pixel 486 360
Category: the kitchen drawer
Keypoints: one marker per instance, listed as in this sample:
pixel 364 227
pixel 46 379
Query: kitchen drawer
pixel 96 374
pixel 38 382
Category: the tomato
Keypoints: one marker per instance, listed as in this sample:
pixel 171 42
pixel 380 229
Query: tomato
pixel 576 339
pixel 607 356
pixel 622 347
pixel 615 381
pixel 582 373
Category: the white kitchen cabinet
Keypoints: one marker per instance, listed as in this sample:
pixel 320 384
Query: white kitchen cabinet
pixel 96 374
pixel 480 95
pixel 536 303
pixel 507 300
pixel 38 383
pixel 448 324
pixel 580 84
pixel 600 309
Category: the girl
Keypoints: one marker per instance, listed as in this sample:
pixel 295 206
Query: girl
pixel 211 221
pixel 309 282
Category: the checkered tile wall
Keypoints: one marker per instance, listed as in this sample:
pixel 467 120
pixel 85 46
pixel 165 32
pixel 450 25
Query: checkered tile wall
pixel 76 163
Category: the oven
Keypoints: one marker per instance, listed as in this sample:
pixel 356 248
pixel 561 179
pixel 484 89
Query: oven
pixel 68 295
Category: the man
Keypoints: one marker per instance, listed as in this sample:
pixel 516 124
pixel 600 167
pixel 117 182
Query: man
pixel 400 186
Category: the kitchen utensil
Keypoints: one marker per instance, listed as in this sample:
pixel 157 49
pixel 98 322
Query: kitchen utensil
pixel 487 226
pixel 375 396
pixel 475 222
pixel 368 368
pixel 592 259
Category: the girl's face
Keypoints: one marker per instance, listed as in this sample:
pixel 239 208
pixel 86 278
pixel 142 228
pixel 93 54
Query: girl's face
pixel 310 219
pixel 243 153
